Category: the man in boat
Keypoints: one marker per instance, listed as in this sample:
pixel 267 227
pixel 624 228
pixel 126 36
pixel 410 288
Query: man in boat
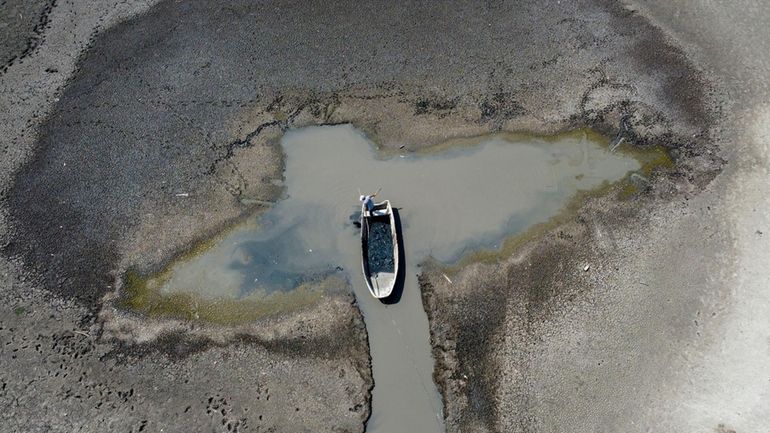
pixel 368 200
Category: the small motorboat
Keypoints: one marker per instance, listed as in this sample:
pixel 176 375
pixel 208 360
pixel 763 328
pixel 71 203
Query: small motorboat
pixel 379 243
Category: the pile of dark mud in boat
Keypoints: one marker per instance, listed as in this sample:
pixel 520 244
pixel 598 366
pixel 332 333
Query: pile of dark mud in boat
pixel 380 246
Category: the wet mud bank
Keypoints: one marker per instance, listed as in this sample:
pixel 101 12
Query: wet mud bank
pixel 489 314
pixel 190 162
pixel 167 134
pixel 438 193
pixel 495 315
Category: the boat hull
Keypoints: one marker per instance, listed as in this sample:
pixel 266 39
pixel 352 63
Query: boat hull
pixel 379 245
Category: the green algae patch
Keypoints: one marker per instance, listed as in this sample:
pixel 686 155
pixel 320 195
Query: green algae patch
pixel 140 292
pixel 207 282
pixel 511 137
pixel 142 295
pixel 650 158
pixel 512 243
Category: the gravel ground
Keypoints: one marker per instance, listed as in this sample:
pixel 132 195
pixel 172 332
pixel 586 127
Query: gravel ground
pixel 22 25
pixel 104 125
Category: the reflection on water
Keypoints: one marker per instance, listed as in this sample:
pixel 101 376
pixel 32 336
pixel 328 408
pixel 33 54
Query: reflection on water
pixel 461 199
pixel 453 202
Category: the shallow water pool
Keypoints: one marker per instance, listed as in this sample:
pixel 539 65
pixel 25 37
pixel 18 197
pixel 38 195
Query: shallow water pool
pixel 457 198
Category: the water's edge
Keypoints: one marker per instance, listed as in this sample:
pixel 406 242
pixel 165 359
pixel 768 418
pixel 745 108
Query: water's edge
pixel 138 295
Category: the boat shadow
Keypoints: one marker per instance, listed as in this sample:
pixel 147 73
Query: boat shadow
pixel 398 289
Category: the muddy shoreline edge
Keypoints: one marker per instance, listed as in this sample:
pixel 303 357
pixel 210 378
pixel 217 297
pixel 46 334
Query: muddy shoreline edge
pixel 387 113
pixel 466 321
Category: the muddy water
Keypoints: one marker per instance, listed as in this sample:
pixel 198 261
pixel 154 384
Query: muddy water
pixel 462 198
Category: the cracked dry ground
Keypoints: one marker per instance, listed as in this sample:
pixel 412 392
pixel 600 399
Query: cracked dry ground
pixel 193 98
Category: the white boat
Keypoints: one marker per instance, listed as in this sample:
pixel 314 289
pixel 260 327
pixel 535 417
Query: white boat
pixel 379 246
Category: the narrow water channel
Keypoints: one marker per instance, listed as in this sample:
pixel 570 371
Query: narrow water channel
pixel 451 201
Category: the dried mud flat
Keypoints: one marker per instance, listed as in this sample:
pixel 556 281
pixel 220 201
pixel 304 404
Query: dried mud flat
pixel 125 143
